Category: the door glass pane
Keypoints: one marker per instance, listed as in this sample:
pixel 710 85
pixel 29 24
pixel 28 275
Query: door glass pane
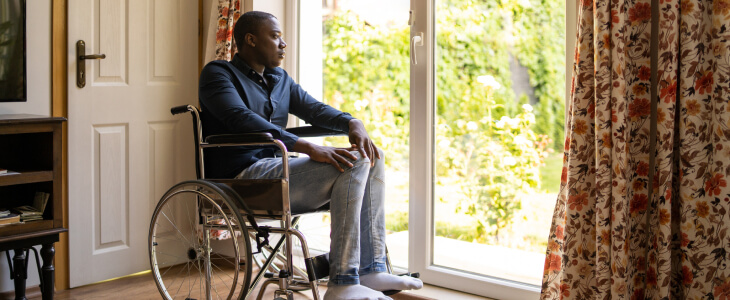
pixel 498 130
pixel 365 71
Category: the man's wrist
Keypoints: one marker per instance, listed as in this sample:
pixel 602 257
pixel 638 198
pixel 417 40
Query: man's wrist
pixel 354 123
pixel 303 146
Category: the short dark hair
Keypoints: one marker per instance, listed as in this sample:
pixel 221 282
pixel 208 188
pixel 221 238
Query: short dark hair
pixel 249 22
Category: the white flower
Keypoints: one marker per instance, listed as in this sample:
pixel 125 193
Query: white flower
pixel 530 118
pixel 525 3
pixel 509 161
pixel 444 144
pixel 509 121
pixel 520 140
pixel 360 104
pixel 499 124
pixel 489 81
pixel 527 107
pixel 471 126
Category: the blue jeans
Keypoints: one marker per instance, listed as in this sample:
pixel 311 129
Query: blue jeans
pixel 357 208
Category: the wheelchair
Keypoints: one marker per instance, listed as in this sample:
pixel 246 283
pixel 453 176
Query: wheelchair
pixel 206 235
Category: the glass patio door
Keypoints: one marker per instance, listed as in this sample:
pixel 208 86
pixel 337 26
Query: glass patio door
pixel 471 181
pixel 481 196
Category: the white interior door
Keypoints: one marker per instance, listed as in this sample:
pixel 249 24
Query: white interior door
pixel 125 148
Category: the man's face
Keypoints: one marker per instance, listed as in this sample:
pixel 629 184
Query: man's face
pixel 270 44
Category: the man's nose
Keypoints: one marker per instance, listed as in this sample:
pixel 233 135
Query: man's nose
pixel 282 45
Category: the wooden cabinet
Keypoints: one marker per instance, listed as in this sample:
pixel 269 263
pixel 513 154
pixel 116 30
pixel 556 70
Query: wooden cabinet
pixel 31 146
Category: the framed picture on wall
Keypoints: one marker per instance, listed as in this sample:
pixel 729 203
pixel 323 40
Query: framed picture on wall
pixel 13 75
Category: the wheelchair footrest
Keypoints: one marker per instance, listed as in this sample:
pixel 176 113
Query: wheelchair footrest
pixel 411 274
pixel 318 267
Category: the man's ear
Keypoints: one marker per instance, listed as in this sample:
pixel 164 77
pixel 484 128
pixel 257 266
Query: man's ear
pixel 250 40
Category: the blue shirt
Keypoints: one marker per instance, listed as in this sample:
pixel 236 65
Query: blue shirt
pixel 235 99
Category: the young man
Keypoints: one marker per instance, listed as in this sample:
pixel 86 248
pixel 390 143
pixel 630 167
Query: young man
pixel 252 94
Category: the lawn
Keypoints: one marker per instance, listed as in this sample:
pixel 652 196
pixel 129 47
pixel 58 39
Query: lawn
pixel 550 173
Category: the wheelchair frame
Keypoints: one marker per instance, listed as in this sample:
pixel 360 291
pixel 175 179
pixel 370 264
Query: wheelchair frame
pixel 227 192
pixel 228 205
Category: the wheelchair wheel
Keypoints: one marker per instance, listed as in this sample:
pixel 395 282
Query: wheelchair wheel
pixel 198 244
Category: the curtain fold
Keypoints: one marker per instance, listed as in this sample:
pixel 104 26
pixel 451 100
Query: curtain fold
pixel 641 215
pixel 228 13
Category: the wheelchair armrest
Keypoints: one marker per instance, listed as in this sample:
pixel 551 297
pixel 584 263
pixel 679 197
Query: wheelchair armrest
pixel 313 131
pixel 222 139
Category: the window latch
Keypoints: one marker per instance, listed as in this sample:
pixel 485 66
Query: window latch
pixel 416 40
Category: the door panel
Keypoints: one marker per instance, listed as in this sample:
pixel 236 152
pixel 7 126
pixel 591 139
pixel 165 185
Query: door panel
pixel 164 40
pixel 125 149
pixel 110 166
pixel 111 34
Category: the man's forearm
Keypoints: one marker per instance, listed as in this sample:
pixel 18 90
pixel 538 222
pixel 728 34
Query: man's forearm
pixel 303 146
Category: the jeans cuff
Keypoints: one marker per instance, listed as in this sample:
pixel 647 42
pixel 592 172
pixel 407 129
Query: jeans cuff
pixel 344 280
pixel 375 267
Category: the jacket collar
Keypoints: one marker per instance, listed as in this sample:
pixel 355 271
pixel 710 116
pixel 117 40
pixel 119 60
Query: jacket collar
pixel 273 74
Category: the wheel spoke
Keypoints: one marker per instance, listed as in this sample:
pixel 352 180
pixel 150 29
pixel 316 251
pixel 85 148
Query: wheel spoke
pixel 182 283
pixel 221 271
pixel 173 225
pixel 158 237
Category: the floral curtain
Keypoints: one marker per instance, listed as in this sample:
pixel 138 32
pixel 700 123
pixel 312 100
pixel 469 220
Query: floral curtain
pixel 643 208
pixel 228 13
pixel 225 48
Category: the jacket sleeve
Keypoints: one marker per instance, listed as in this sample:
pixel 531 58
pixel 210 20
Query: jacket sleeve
pixel 315 112
pixel 220 97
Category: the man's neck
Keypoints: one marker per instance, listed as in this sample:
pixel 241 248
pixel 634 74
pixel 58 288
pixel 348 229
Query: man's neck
pixel 257 67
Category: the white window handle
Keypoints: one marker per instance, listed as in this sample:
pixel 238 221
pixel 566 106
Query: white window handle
pixel 416 40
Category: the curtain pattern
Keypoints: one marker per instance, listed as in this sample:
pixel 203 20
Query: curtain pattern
pixel 228 13
pixel 640 218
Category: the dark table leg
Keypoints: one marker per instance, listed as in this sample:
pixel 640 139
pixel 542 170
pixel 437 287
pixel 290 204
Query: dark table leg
pixel 47 253
pixel 20 273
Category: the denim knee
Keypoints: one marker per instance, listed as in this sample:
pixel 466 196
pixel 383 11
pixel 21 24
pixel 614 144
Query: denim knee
pixel 360 159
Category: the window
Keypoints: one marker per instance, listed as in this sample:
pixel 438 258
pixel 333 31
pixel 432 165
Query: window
pixel 471 121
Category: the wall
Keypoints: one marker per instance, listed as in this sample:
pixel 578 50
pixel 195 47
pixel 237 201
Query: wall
pixel 38 39
pixel 571 30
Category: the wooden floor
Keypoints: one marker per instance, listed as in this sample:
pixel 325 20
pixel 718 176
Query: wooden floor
pixel 142 286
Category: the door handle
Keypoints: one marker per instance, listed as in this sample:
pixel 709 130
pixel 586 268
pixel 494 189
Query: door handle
pixel 416 40
pixel 81 62
pixel 93 56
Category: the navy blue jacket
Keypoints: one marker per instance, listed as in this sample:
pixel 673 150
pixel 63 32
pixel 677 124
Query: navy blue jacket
pixel 235 99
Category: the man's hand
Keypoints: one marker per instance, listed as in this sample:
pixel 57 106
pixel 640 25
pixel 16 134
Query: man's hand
pixel 330 155
pixel 360 140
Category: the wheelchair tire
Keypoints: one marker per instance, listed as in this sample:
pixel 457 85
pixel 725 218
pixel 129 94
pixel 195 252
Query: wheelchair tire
pixel 186 262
